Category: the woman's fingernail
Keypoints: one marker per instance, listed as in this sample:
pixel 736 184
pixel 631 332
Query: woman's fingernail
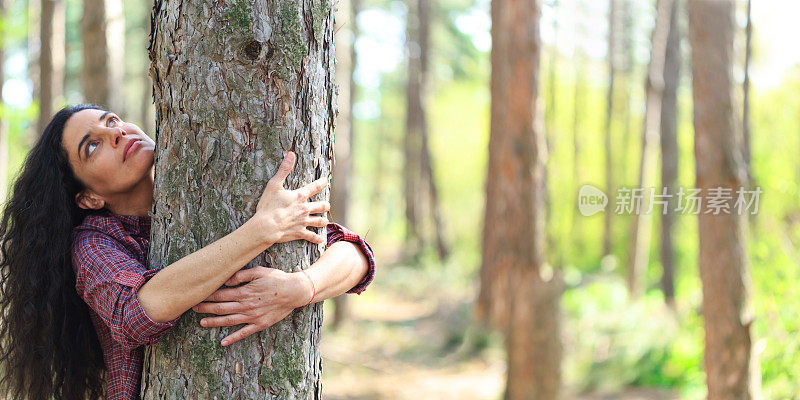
pixel 224 342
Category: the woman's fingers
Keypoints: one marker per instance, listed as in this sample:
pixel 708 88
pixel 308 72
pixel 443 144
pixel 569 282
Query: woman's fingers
pixel 240 334
pixel 319 222
pixel 232 294
pixel 225 320
pixel 224 308
pixel 318 207
pixel 313 187
pixel 243 275
pixel 311 237
pixel 283 170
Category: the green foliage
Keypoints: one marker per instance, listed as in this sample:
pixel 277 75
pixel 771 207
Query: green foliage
pixel 611 343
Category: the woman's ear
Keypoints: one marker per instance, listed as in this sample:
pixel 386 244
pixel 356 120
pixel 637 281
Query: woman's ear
pixel 89 200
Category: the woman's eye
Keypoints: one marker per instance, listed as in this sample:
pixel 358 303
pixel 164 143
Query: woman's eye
pixel 113 121
pixel 89 148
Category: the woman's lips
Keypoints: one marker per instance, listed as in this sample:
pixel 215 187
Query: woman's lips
pixel 131 148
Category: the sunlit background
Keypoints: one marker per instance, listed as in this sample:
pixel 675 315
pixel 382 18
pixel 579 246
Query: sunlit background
pixel 413 333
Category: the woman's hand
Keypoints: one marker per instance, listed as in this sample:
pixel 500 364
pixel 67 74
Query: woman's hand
pixel 269 296
pixel 286 213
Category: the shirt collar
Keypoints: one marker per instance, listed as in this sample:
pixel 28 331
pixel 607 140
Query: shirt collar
pixel 133 224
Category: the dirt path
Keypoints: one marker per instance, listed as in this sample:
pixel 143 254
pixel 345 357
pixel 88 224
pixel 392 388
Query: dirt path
pixel 399 347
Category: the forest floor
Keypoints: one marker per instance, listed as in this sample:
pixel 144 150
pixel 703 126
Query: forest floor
pixel 412 339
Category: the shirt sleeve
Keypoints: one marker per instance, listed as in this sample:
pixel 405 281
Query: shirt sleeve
pixel 108 279
pixel 338 233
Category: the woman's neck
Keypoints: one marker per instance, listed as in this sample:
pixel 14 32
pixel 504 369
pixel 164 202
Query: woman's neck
pixel 138 202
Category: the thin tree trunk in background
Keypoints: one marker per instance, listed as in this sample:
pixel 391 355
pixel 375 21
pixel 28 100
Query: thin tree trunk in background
pixel 433 197
pixel 3 131
pixel 729 362
pixel 242 83
pixel 550 137
pixel 746 89
pixel 51 60
pixel 575 241
pixel 550 107
pixel 413 138
pixel 629 69
pixel 424 15
pixel 147 110
pixel 103 29
pixel 640 246
pixel 669 152
pixel 612 72
pixel 345 28
pixel 33 49
pixel 513 295
pixel 419 172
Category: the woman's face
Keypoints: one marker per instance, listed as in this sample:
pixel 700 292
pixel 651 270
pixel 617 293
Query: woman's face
pixel 109 156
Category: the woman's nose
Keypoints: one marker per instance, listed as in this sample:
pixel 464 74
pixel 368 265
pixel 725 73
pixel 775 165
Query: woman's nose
pixel 117 133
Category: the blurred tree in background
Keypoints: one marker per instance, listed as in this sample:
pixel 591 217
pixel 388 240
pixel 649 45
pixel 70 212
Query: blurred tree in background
pixel 417 323
pixel 719 151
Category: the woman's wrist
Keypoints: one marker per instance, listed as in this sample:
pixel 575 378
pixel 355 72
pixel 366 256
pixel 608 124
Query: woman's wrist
pixel 306 289
pixel 265 229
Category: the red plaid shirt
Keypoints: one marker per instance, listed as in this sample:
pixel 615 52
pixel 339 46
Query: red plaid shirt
pixel 109 255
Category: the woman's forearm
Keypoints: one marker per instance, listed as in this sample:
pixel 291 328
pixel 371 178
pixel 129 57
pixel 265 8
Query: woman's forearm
pixel 340 267
pixel 188 281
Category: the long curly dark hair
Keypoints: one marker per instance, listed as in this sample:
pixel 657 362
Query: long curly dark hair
pixel 48 346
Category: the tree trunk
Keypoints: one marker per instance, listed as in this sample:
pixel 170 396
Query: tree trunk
pixel 3 130
pixel 103 55
pixel 628 70
pixel 722 247
pixel 513 295
pixel 433 196
pixel 669 151
pixel 237 85
pixel 429 182
pixel 146 110
pixel 640 245
pixel 412 184
pixel 52 23
pixel 550 107
pixel 612 72
pixel 551 239
pixel 419 179
pixel 345 28
pixel 575 241
pixel 746 89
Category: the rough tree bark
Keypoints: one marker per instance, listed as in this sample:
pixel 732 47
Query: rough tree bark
pixel 103 29
pixel 51 60
pixel 642 223
pixel 720 163
pixel 345 28
pixel 236 85
pixel 669 152
pixel 513 295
